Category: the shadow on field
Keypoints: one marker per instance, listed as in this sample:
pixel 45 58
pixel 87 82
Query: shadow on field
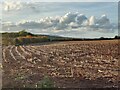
pixel 85 83
pixel 48 43
pixel 62 82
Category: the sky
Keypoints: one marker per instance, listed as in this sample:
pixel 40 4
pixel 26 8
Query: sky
pixel 66 0
pixel 69 19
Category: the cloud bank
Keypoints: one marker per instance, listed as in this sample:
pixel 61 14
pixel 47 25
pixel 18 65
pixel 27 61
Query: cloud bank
pixel 68 21
pixel 70 24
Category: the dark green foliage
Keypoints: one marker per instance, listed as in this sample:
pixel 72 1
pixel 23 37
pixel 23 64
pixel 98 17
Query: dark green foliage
pixel 45 83
pixel 24 37
pixel 24 33
pixel 16 34
pixel 27 40
pixel 117 37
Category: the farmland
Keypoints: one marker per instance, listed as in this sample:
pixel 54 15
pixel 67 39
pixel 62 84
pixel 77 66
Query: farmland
pixel 69 64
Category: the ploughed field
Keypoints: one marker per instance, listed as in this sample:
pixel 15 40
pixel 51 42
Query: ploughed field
pixel 70 64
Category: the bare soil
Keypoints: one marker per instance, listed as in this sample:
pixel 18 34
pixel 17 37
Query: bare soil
pixel 70 64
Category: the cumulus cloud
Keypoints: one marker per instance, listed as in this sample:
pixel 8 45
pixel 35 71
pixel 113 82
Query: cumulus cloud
pixel 12 5
pixel 69 21
pixel 67 18
pixel 92 20
pixel 81 19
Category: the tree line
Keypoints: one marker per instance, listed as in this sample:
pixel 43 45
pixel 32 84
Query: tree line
pixel 24 37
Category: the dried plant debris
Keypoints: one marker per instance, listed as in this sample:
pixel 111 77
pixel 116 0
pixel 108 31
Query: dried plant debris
pixel 70 64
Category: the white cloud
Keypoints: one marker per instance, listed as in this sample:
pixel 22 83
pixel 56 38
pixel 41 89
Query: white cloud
pixel 92 20
pixel 70 22
pixel 81 18
pixel 12 5
pixel 103 20
pixel 67 18
pixel 74 1
pixel 73 25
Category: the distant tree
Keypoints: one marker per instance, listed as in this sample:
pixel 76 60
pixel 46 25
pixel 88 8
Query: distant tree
pixel 101 38
pixel 24 33
pixel 117 37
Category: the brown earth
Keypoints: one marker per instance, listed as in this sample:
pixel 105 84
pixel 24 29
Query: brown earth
pixel 70 64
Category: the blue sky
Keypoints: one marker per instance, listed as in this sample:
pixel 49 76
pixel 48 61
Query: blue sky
pixel 26 15
pixel 67 0
pixel 54 9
